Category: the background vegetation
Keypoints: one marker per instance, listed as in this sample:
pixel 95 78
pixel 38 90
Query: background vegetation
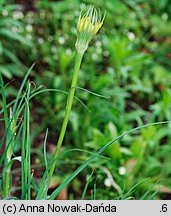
pixel 130 61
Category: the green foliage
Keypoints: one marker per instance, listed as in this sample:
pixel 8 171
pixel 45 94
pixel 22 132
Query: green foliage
pixel 10 40
pixel 129 63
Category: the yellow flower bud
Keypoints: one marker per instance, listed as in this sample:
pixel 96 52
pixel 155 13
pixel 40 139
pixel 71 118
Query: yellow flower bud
pixel 88 26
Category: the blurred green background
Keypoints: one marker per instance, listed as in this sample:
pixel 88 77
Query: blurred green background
pixel 129 60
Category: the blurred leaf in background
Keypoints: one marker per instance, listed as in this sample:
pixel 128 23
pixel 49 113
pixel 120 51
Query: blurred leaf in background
pixel 10 39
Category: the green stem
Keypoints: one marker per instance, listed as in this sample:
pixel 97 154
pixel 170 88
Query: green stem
pixel 7 183
pixel 78 60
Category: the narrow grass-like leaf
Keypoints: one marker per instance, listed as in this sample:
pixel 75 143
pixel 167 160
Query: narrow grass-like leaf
pixel 4 102
pixel 23 156
pixel 148 191
pixel 8 144
pixel 2 119
pixel 86 163
pixel 43 189
pixel 81 150
pixel 9 165
pixel 11 198
pixel 21 88
pixel 35 187
pixel 94 191
pixel 45 156
pixel 47 90
pixel 86 187
pixel 61 91
pixel 93 93
pixel 129 193
pixel 154 194
pixel 28 143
